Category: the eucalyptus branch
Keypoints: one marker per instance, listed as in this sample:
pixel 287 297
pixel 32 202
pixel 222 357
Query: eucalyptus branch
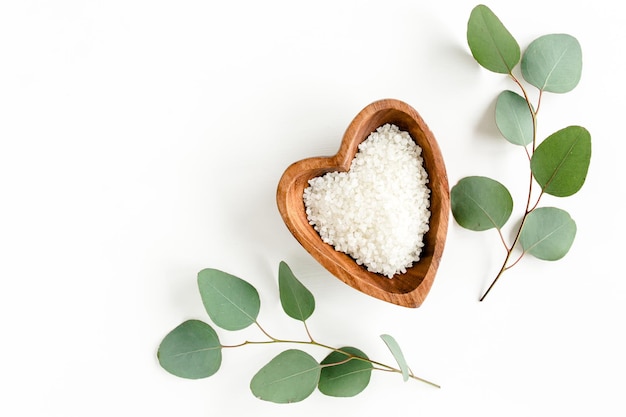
pixel 193 349
pixel 558 163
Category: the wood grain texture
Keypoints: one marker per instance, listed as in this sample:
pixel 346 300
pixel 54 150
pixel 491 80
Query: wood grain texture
pixel 408 289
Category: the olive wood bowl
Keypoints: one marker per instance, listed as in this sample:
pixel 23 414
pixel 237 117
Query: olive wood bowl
pixel 410 288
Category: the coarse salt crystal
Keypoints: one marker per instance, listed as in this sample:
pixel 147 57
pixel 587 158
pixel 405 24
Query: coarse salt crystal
pixel 378 211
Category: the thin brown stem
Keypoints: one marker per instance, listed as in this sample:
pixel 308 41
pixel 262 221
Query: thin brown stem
pixel 506 247
pixel 505 265
pixel 377 365
pixel 502 269
pixel 539 101
pixel 424 381
pixel 536 202
pixel 519 258
pixel 411 375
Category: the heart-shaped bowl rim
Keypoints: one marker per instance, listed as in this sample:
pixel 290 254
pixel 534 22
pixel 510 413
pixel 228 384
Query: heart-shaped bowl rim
pixel 408 289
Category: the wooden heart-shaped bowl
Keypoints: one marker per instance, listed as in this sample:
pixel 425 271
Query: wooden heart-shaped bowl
pixel 410 288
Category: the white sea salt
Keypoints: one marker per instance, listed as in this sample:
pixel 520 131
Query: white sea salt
pixel 378 211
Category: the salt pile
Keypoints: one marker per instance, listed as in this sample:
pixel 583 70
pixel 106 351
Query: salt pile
pixel 378 211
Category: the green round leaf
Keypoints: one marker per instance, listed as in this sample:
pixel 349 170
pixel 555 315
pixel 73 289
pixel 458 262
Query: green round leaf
pixel 231 302
pixel 514 119
pixel 296 299
pixel 553 63
pixel 548 233
pixel 290 377
pixel 560 163
pixel 492 45
pixel 480 203
pixel 349 377
pixel 192 350
pixel 397 354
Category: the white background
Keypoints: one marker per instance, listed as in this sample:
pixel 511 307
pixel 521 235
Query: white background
pixel 141 141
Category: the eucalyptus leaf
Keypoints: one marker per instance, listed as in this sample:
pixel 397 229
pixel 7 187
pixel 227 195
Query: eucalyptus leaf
pixel 231 302
pixel 397 354
pixel 296 299
pixel 290 377
pixel 548 233
pixel 480 203
pixel 492 45
pixel 553 63
pixel 560 163
pixel 514 118
pixel 349 377
pixel 192 350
